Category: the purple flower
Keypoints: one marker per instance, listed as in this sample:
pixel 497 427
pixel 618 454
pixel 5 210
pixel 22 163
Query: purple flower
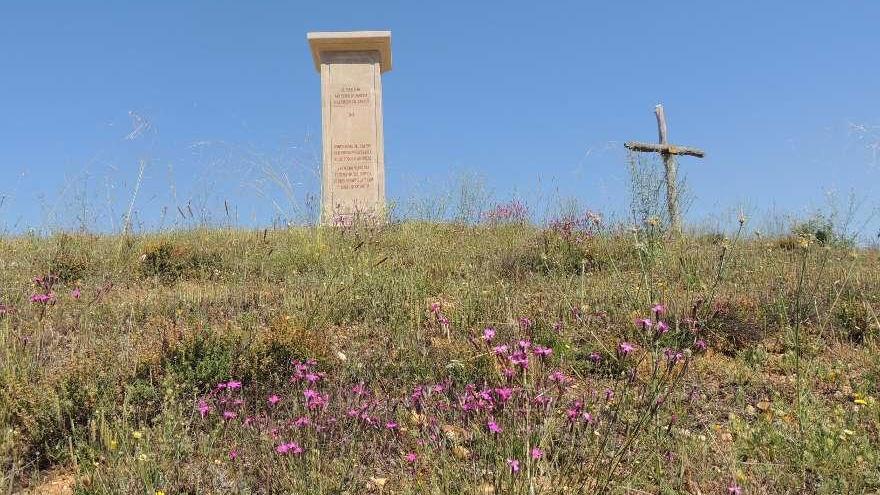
pixel 558 377
pixel 542 351
pixel 411 457
pixel 232 384
pixel 391 425
pixel 662 327
pixel 302 421
pixel 520 359
pixel 75 293
pixel 504 394
pixel 500 349
pixel 525 323
pixel 700 345
pixel 514 465
pixel 273 399
pixel 524 344
pixel 493 426
pixel 291 448
pixel 644 323
pixel 204 408
pixel 625 348
pixel 233 455
pixel 227 415
pixel 658 310
pixel 537 453
pixel 595 357
pixel 488 334
pixel 734 489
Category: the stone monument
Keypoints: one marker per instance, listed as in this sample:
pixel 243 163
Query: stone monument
pixel 353 174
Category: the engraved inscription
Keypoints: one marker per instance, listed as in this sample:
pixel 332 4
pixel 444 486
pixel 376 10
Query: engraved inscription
pixel 353 166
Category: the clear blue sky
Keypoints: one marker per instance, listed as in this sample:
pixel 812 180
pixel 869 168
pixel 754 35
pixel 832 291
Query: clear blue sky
pixel 535 97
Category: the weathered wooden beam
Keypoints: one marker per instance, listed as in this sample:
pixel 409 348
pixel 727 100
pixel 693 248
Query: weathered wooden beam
pixel 667 149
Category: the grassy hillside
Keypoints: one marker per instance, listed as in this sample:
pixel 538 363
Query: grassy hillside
pixel 426 358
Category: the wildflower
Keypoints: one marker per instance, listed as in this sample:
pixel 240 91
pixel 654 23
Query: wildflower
pixel 700 345
pixel 588 418
pixel 435 307
pixel 542 351
pixel 508 372
pixel 734 489
pixel 160 492
pixel 525 323
pixel 558 376
pixel 411 457
pixel 514 465
pixel 302 421
pixel 232 384
pixel 313 377
pixel 595 357
pixel 537 453
pixel 500 349
pixel 310 393
pixel 227 415
pixel 524 344
pixel 488 334
pixel 233 455
pixel 504 394
pixel 574 411
pixel 43 298
pixel 662 328
pixel 658 310
pixel 273 399
pixel 520 359
pixel 644 323
pixel 673 356
pixel 609 394
pixel 75 293
pixel 137 435
pixel 391 425
pixel 204 408
pixel 625 348
pixel 493 426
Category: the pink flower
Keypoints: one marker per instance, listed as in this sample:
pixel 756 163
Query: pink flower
pixel 204 408
pixel 391 425
pixel 435 307
pixel 520 359
pixel 525 323
pixel 595 357
pixel 232 384
pixel 289 448
pixel 625 348
pixel 493 426
pixel 359 389
pixel 75 293
pixel 411 457
pixel 558 377
pixel 537 453
pixel 233 455
pixel 514 465
pixel 659 310
pixel 734 489
pixel 524 344
pixel 542 351
pixel 644 323
pixel 700 345
pixel 488 334
pixel 273 399
pixel 500 349
pixel 302 421
pixel 310 393
pixel 227 415
pixel 662 327
pixel 504 394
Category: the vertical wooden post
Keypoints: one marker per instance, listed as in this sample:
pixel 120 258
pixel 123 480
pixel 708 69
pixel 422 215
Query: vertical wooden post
pixel 671 173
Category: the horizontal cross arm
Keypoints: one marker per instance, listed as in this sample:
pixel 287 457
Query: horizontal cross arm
pixel 669 149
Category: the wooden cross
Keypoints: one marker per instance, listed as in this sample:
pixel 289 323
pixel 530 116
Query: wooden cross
pixel 668 151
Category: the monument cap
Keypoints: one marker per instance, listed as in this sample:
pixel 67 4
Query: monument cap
pixel 351 41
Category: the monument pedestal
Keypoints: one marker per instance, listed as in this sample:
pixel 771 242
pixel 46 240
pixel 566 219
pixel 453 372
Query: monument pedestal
pixel 353 174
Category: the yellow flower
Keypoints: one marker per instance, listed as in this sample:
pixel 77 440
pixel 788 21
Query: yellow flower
pixel 137 434
pixel 861 401
pixel 160 492
pixel 113 444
